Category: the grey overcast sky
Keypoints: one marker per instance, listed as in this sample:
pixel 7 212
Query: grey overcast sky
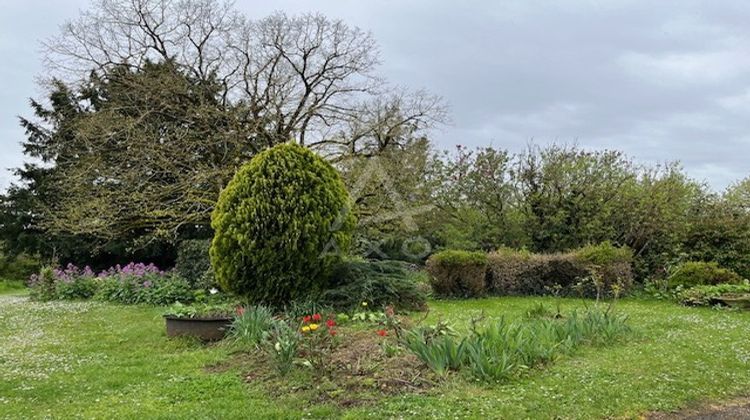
pixel 661 80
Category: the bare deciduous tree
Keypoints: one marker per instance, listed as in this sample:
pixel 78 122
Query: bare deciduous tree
pixel 306 77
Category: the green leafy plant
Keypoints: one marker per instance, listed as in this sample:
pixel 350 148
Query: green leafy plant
pixel 252 326
pixel 379 283
pixel 280 225
pixel 193 263
pixel 440 353
pixel 697 273
pixel 497 351
pixel 204 310
pixel 707 295
pixel 283 345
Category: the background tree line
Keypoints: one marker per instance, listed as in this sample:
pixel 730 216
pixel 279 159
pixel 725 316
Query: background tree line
pixel 152 105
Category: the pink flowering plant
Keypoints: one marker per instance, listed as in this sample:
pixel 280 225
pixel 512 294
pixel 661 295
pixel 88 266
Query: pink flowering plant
pixel 131 284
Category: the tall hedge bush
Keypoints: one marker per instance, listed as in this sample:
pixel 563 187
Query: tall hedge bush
pixel 279 226
pixel 596 270
pixel 571 273
pixel 456 273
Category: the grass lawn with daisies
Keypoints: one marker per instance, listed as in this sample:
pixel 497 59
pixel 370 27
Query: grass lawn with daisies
pixel 96 360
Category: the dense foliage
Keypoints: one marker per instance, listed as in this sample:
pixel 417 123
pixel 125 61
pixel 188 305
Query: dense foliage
pixel 378 283
pixel 193 262
pixel 708 295
pixel 456 273
pixel 592 271
pixel 280 225
pixel 697 273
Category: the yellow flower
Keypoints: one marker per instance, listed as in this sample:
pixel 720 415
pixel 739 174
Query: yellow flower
pixel 306 328
pixel 313 327
pixel 364 303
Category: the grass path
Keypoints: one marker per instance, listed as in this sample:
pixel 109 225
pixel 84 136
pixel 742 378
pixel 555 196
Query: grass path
pixel 92 360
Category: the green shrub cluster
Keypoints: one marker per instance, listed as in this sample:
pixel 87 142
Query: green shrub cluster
pixel 496 352
pixel 18 268
pixel 152 290
pixel 707 295
pixel 456 273
pixel 280 225
pixel 379 283
pixel 592 271
pixel 193 263
pixel 698 273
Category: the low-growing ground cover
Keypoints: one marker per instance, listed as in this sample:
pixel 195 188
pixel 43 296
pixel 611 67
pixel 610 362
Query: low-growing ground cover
pixel 91 359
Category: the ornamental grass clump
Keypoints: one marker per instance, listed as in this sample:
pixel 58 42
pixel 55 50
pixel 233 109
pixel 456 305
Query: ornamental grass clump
pixel 280 225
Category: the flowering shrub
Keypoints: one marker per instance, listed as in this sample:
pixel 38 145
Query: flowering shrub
pixel 130 284
pixel 70 282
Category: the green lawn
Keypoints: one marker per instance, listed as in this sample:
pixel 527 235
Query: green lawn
pixel 94 360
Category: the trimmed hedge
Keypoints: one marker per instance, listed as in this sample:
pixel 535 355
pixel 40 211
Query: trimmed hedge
pixel 598 269
pixel 458 273
pixel 697 273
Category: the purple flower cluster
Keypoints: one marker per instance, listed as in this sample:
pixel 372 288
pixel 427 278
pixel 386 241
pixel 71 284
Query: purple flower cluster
pixel 132 270
pixel 71 272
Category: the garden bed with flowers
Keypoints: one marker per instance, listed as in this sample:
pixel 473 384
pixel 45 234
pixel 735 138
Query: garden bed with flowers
pixel 67 359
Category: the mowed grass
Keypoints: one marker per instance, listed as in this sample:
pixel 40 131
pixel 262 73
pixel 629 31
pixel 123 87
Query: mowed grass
pixel 93 360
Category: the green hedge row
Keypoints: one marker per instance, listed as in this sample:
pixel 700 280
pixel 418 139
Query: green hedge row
pixel 602 269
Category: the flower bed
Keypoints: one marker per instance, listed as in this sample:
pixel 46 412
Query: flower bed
pixel 133 283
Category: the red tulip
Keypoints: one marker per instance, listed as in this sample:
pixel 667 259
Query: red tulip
pixel 316 317
pixel 332 332
pixel 330 323
pixel 306 319
pixel 382 333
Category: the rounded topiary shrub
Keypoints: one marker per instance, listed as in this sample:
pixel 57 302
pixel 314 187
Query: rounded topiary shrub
pixel 280 225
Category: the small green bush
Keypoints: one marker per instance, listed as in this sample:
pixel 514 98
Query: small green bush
pixel 458 273
pixel 18 268
pixel 193 262
pixel 83 287
pixel 151 289
pixel 707 295
pixel 379 283
pixel 43 285
pixel 280 225
pixel 697 273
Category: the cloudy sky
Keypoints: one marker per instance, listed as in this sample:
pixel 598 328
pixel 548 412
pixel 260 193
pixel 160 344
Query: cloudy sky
pixel 666 80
